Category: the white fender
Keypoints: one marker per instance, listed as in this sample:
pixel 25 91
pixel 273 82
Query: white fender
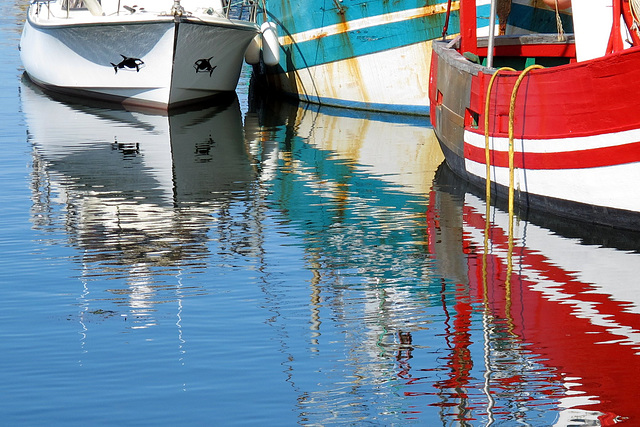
pixel 270 45
pixel 252 55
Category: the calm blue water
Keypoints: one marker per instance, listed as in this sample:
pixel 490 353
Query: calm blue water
pixel 257 262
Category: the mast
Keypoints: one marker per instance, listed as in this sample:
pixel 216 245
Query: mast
pixel 492 30
pixel 177 9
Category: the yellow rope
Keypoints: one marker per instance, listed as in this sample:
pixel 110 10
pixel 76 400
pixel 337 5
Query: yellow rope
pixel 512 109
pixel 487 156
pixel 488 173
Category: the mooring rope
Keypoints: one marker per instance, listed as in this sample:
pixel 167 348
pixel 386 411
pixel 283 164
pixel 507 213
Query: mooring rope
pixel 559 26
pixel 512 109
pixel 487 157
pixel 486 130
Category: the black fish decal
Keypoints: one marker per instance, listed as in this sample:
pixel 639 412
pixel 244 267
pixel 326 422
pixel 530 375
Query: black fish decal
pixel 203 65
pixel 129 63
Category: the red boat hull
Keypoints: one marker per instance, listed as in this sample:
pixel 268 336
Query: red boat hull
pixel 576 134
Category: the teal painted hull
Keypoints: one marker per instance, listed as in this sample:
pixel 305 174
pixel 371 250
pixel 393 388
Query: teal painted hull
pixel 372 55
pixel 357 54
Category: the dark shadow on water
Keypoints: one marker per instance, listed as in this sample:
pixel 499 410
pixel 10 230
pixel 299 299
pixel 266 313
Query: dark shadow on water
pixel 221 100
pixel 587 233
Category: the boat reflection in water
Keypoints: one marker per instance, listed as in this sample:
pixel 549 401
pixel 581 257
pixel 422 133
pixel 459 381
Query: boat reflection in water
pixel 550 312
pixel 542 328
pixel 367 283
pixel 141 195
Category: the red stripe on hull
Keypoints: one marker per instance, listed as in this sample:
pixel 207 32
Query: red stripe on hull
pixel 579 159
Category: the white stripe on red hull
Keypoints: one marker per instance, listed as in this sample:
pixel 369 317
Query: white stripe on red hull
pixel 607 186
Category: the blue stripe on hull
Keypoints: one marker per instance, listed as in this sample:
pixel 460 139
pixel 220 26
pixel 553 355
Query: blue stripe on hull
pixel 370 106
pixel 309 15
pixel 315 33
pixel 305 15
pixel 364 42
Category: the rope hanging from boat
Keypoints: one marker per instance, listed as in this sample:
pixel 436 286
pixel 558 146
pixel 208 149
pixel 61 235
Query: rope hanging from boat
pixel 487 156
pixel 634 7
pixel 446 21
pixel 561 36
pixel 512 109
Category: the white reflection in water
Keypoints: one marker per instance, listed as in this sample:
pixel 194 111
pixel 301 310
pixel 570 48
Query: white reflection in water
pixel 140 195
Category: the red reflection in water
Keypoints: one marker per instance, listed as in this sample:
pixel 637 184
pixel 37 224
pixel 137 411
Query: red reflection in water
pixel 587 337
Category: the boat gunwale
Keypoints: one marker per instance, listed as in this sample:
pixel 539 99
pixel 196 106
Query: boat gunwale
pixel 448 50
pixel 447 53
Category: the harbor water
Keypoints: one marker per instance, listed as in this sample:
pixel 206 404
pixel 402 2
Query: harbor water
pixel 259 262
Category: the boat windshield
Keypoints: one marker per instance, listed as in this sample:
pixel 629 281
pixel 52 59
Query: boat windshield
pixel 77 4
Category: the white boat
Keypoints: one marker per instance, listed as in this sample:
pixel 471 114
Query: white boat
pixel 145 53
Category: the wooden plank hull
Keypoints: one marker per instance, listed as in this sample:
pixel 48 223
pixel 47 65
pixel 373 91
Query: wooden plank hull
pixel 361 55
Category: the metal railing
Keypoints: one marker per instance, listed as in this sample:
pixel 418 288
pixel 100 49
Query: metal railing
pixel 245 10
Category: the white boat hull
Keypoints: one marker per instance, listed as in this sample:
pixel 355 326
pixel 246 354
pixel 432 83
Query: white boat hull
pixel 148 59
